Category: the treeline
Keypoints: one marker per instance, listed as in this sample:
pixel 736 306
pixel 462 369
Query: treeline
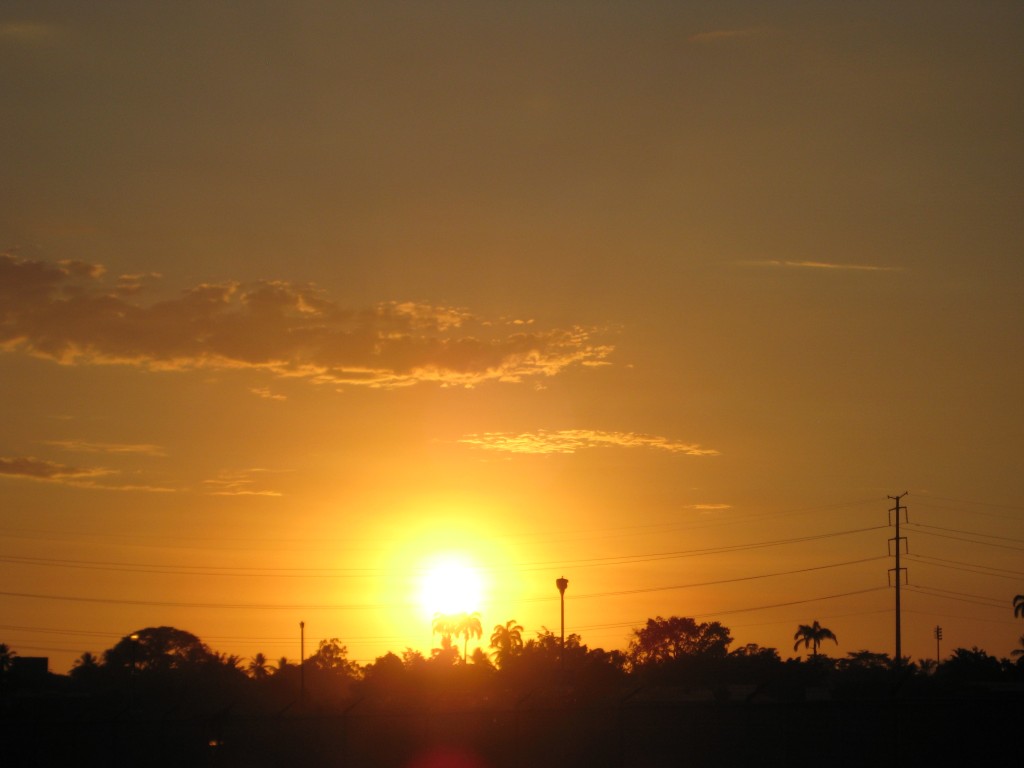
pixel 169 668
pixel 680 693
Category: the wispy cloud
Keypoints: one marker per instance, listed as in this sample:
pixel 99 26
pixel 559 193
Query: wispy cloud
pixel 710 507
pixel 240 482
pixel 822 265
pixel 68 313
pixel 85 446
pixel 573 440
pixel 28 32
pixel 727 35
pixel 41 469
pixel 93 478
pixel 266 394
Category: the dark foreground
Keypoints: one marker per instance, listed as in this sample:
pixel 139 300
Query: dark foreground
pixel 979 729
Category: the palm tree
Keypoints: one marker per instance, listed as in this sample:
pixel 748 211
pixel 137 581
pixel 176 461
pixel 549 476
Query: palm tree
pixel 1019 651
pixel 467 624
pixel 1018 605
pixel 443 625
pixel 258 668
pixel 6 658
pixel 87 660
pixel 812 635
pixel 507 641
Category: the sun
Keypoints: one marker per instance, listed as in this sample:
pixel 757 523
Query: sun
pixel 450 584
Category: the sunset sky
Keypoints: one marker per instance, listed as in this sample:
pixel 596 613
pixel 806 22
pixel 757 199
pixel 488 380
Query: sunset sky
pixel 298 299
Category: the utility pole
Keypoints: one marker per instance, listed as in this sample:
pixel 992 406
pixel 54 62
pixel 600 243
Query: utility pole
pixel 900 541
pixel 938 637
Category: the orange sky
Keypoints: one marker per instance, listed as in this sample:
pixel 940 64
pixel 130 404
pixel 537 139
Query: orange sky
pixel 665 298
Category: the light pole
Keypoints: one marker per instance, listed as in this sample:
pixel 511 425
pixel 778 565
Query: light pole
pixel 302 662
pixel 562 583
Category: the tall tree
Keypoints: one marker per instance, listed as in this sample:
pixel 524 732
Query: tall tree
pixel 259 667
pixel 332 656
pixel 7 655
pixel 1018 605
pixel 159 649
pixel 468 625
pixel 444 625
pixel 662 640
pixel 449 625
pixel 86 668
pixel 507 641
pixel 1019 651
pixel 811 636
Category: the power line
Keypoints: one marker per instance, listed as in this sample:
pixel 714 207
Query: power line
pixel 1006 574
pixel 710 614
pixel 969 533
pixel 171 604
pixel 207 570
pixel 972 541
pixel 718 581
pixel 973 501
pixel 948 595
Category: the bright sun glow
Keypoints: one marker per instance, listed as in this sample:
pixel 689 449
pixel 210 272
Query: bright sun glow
pixel 449 585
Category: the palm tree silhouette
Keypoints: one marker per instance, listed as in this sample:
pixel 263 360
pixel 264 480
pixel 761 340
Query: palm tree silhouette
pixel 259 667
pixel 443 625
pixel 1019 651
pixel 467 624
pixel 1018 605
pixel 507 641
pixel 811 636
pixel 7 655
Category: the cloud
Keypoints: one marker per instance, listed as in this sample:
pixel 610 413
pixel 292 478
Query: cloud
pixel 266 394
pixel 67 313
pixel 28 32
pixel 573 440
pixel 821 265
pixel 31 468
pixel 84 446
pixel 710 507
pixel 239 482
pixel 40 469
pixel 726 35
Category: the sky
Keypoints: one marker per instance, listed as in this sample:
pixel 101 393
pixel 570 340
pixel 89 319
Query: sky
pixel 298 300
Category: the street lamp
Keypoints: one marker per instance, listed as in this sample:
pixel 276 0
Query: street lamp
pixel 302 662
pixel 562 583
pixel 134 637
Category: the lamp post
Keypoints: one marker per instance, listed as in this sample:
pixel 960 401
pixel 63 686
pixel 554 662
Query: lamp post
pixel 134 637
pixel 562 583
pixel 302 662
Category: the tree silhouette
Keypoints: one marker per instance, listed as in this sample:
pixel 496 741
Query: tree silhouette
pixel 443 625
pixel 159 649
pixel 507 641
pixel 676 637
pixel 811 636
pixel 259 667
pixel 1018 605
pixel 466 625
pixel 331 656
pixel 86 669
pixel 1019 651
pixel 449 625
pixel 7 655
